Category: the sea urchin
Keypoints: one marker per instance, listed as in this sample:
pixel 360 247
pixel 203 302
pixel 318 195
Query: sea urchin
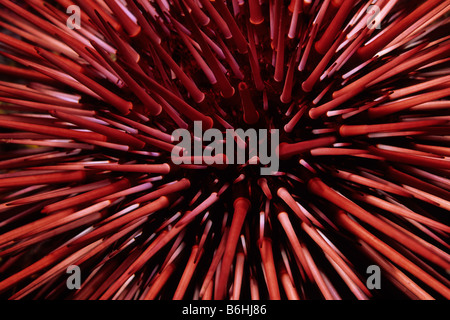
pixel 90 97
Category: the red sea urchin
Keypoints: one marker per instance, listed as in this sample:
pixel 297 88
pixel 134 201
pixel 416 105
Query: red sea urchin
pixel 355 88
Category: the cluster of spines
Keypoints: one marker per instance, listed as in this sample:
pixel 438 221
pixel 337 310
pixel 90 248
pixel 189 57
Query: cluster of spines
pixel 363 148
